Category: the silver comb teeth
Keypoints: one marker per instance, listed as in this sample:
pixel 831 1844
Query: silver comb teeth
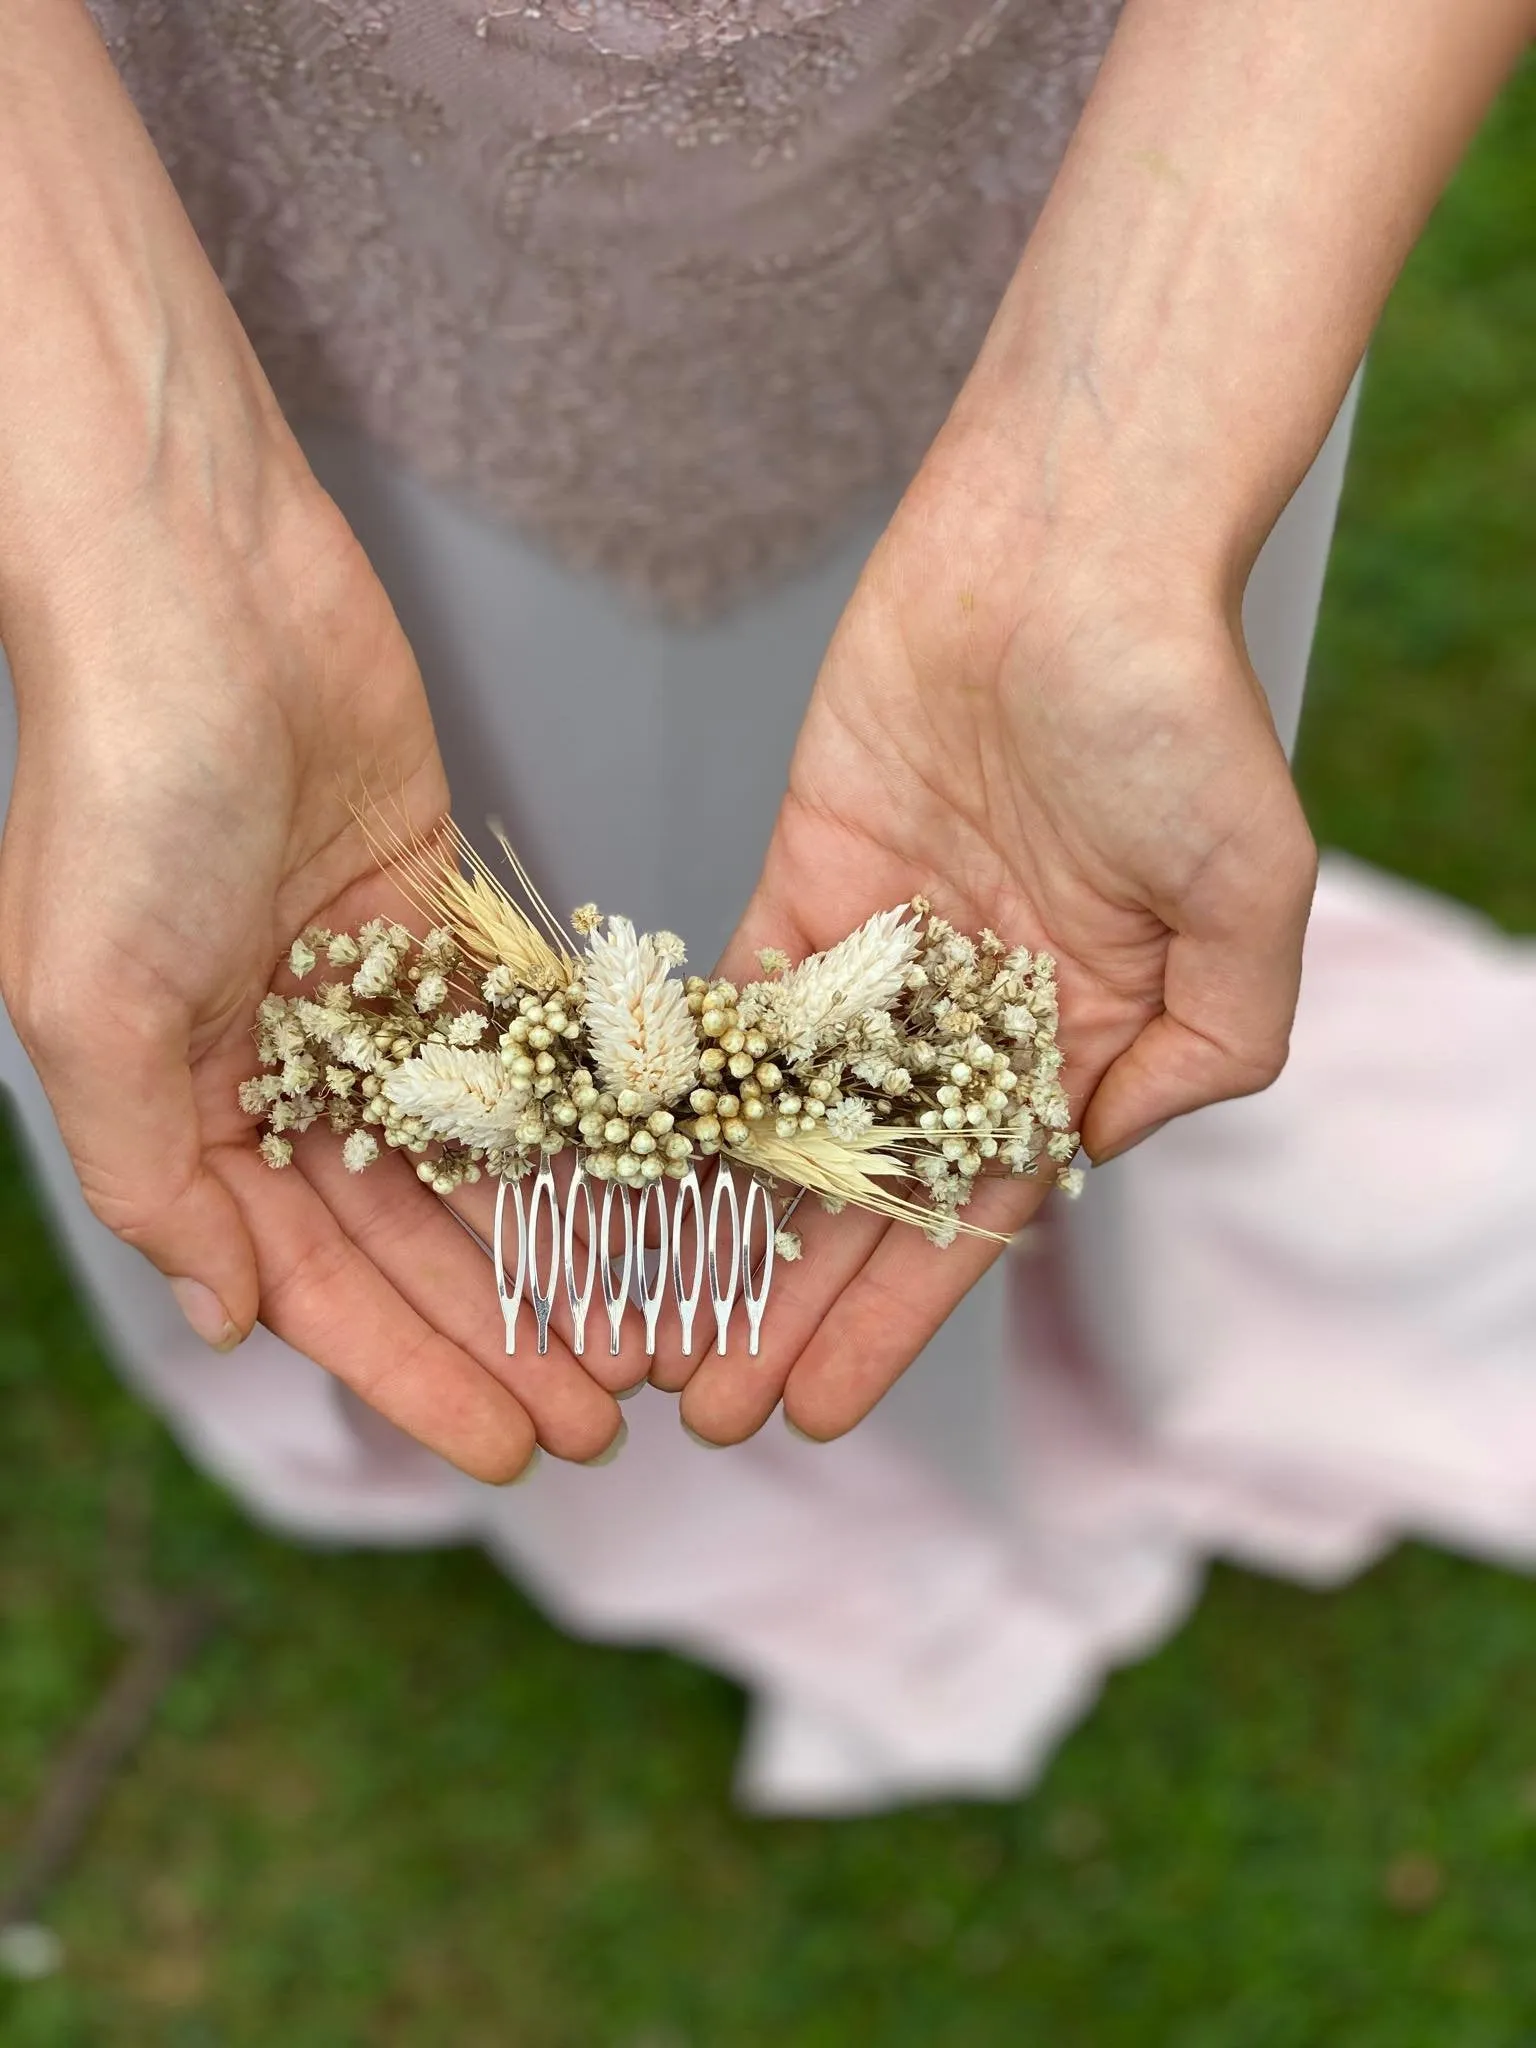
pixel 634 1271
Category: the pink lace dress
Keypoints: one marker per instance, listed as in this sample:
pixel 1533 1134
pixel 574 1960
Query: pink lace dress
pixel 671 285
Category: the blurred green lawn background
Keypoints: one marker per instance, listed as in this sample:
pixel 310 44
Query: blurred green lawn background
pixel 391 1805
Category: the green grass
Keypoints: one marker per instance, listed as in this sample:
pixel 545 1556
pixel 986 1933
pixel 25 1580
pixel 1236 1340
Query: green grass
pixel 392 1806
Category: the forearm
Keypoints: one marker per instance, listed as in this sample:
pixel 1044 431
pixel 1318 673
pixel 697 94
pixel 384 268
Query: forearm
pixel 1245 183
pixel 124 372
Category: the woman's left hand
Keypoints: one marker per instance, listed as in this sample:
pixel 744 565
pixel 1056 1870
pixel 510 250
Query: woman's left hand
pixel 1058 735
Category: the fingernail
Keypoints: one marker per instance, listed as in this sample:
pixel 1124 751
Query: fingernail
pixel 702 1441
pixel 206 1314
pixel 629 1393
pixel 1128 1144
pixel 606 1457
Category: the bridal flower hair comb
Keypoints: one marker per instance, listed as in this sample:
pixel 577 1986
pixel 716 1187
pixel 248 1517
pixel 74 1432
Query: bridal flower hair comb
pixel 892 1072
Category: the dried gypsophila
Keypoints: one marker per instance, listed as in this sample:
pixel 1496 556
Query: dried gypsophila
pixel 894 1070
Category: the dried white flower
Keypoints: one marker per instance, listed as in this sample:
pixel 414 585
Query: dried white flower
pixel 275 1150
pixel 828 991
pixel 343 950
pixel 377 974
pixel 467 1028
pixel 849 1119
pixel 452 1093
pixel 786 1244
pixel 1019 1022
pixel 1071 1183
pixel 640 1030
pixel 585 918
pixel 440 949
pixel 355 1048
pixel 360 1150
pixel 1048 1100
pixel 301 958
pixel 670 947
pixel 431 993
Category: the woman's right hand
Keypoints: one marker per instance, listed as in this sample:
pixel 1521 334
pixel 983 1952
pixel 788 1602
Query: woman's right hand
pixel 201 710
pixel 209 681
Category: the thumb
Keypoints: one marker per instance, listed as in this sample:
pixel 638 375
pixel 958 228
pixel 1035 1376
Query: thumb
pixel 126 1109
pixel 1229 1000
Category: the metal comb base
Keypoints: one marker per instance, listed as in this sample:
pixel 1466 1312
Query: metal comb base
pixel 634 1275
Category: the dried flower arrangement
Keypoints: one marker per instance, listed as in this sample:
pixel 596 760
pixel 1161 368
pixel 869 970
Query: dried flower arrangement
pixel 906 1053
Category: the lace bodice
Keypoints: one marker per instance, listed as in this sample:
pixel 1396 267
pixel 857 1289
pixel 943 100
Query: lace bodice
pixel 670 284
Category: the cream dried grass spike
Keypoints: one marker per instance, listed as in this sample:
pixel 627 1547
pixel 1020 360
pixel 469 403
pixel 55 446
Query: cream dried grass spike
pixel 847 1171
pixel 487 922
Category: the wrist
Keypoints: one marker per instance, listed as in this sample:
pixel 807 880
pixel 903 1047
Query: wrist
pixel 1006 535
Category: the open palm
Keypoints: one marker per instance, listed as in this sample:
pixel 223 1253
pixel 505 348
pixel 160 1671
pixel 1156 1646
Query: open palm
pixel 196 737
pixel 1084 770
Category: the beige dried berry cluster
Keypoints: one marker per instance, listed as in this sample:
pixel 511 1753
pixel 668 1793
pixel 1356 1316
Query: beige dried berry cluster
pixel 908 1060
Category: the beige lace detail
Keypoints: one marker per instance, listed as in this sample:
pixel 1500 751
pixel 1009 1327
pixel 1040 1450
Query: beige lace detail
pixel 672 284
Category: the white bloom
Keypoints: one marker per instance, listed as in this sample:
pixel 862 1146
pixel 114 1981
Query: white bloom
pixel 299 1075
pixel 860 974
pixel 356 1048
pixel 343 950
pixel 360 1150
pixel 500 985
pixel 301 958
pixel 315 1019
pixel 786 1244
pixel 849 1119
pixel 453 1093
pixel 431 993
pixel 670 947
pixel 276 1151
pixel 1071 1183
pixel 376 975
pixel 1019 1022
pixel 1048 1100
pixel 642 1035
pixel 467 1028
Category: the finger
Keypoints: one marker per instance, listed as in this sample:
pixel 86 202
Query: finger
pixel 727 1399
pixel 446 1279
pixel 324 1296
pixel 888 1311
pixel 127 1113
pixel 1231 980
